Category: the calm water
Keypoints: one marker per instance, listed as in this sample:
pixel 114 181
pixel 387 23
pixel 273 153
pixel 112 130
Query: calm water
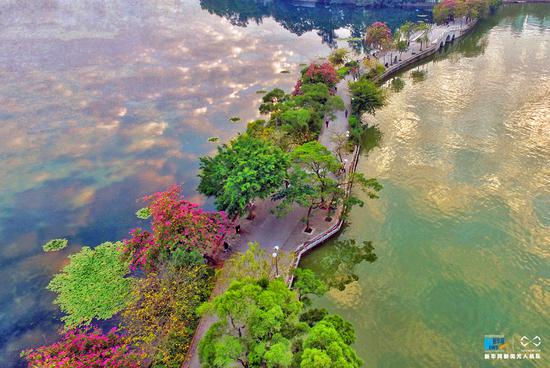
pixel 462 230
pixel 102 102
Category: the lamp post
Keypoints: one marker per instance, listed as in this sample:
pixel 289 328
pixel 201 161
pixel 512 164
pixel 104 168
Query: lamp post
pixel 275 258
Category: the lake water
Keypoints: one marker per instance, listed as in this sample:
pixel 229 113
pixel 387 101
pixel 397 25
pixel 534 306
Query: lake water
pixel 461 233
pixel 103 102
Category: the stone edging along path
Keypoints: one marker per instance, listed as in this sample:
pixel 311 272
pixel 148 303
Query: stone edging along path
pixel 454 33
pixel 304 247
pixel 449 34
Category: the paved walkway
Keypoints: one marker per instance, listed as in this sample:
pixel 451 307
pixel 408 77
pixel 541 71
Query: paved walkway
pixel 286 232
pixel 437 34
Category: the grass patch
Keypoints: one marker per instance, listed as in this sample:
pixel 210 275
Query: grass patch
pixel 213 139
pixel 262 91
pixel 54 245
pixel 234 119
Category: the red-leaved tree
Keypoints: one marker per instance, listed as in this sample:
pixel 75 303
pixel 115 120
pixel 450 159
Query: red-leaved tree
pixel 378 35
pixel 176 224
pixel 321 73
pixel 85 348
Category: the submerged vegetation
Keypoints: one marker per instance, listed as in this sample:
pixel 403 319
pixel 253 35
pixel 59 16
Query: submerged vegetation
pixel 55 245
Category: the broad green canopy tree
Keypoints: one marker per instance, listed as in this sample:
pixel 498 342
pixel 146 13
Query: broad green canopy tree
pixel 312 179
pixel 327 345
pixel 255 321
pixel 366 96
pixel 262 323
pixel 92 285
pixel 243 170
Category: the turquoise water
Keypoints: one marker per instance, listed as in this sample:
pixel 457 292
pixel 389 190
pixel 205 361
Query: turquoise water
pixel 103 102
pixel 461 232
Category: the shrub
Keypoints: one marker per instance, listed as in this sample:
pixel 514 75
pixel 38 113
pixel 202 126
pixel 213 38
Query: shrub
pixel 85 348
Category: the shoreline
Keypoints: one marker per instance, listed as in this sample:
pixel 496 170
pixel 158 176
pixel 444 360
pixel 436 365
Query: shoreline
pixel 307 246
pixel 298 250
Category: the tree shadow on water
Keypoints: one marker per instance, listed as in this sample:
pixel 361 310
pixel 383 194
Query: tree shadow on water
pixel 340 259
pixel 370 138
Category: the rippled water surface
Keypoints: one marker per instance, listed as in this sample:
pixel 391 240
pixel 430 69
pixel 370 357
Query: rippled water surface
pixel 104 101
pixel 462 229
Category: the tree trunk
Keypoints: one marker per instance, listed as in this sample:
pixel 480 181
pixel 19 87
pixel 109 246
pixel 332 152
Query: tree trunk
pixel 307 218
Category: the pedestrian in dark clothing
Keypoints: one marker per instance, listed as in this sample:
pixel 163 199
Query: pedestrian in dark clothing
pixel 326 123
pixel 346 113
pixel 238 229
pixel 226 247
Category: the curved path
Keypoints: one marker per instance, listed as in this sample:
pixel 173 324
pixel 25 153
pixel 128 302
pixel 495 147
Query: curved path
pixel 287 232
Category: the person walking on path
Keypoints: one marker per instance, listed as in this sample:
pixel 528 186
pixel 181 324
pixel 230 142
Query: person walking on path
pixel 346 113
pixel 326 123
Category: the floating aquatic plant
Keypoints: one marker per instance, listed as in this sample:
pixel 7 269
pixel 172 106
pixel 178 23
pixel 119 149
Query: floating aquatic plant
pixel 55 245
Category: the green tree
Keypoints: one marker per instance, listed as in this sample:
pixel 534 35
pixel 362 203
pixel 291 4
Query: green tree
pixel 327 345
pixel 406 30
pixel 401 46
pixel 366 96
pixel 246 169
pixel 262 323
pixel 257 320
pixel 424 29
pixel 338 56
pixel 311 179
pixel 307 283
pixel 92 285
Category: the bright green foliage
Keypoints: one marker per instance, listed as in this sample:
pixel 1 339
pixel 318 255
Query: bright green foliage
pixel 254 318
pixel 263 324
pixel 401 46
pixel 307 283
pixel 424 28
pixel 162 318
pixel 316 158
pixel 327 345
pixel 366 96
pixel 246 169
pixel 311 179
pixel 406 30
pixel 297 118
pixel 271 100
pixel 92 285
pixel 338 56
pixel 143 213
pixel 55 245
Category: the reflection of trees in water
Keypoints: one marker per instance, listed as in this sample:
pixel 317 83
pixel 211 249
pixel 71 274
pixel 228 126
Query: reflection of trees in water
pixel 299 19
pixel 339 260
pixel 370 138
pixel 476 43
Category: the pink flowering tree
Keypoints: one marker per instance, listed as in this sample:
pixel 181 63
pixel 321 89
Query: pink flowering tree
pixel 176 224
pixel 378 35
pixel 321 73
pixel 85 348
